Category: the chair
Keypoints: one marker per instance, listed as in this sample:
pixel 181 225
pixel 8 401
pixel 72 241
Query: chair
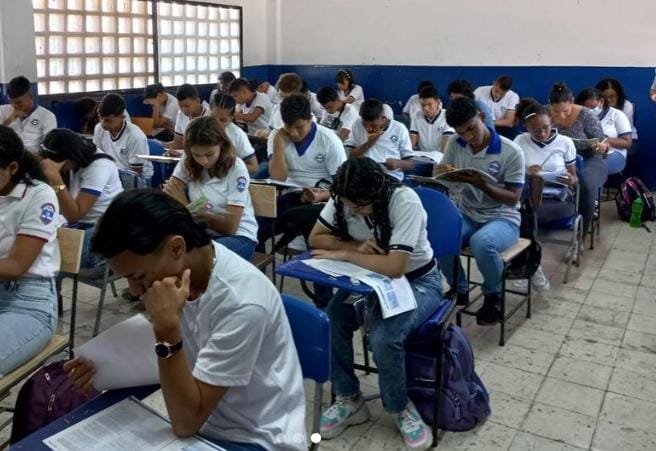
pixel 132 180
pixel 146 124
pixel 311 331
pixel 265 206
pixel 161 171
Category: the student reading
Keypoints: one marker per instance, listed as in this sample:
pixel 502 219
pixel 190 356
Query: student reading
pixel 29 256
pixel 373 221
pixel 227 362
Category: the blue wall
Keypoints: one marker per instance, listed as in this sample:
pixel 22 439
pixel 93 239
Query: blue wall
pixel 394 84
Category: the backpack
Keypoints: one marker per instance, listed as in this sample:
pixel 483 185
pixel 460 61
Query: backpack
pixel 630 190
pixel 47 395
pixel 463 399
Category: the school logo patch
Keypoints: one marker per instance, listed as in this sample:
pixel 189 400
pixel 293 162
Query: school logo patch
pixel 319 158
pixel 47 213
pixel 34 122
pixel 241 184
pixel 494 168
pixel 123 151
pixel 394 138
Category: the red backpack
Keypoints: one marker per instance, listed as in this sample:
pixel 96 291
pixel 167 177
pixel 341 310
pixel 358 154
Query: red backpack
pixel 630 190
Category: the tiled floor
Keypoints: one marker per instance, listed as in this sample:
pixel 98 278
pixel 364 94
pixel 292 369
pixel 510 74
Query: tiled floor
pixel 579 374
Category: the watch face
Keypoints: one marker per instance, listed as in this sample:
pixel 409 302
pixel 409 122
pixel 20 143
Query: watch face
pixel 161 350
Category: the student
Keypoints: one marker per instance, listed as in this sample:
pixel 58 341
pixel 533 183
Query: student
pixel 227 362
pixel 373 221
pixel 348 90
pixel 28 119
pixel 165 111
pixel 490 211
pixel 380 138
pixel 267 88
pixel 462 88
pixel 92 181
pixel 29 255
pixel 615 124
pixel 191 107
pixel 412 106
pixel 223 84
pixel 210 169
pixel 339 116
pixel 289 84
pixel 223 110
pixel 502 101
pixel 253 108
pixel 87 108
pixel 580 124
pixel 429 131
pixel 119 138
pixel 614 92
pixel 546 151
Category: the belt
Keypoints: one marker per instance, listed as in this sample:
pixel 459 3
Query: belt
pixel 421 271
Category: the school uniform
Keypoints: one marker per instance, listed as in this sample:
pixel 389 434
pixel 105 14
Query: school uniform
pixel 272 94
pixel 615 124
pixel 430 131
pixel 262 102
pixel 169 111
pixel 500 106
pixel 240 141
pixel 342 119
pixel 394 143
pixel 629 110
pixel 33 128
pixel 412 106
pixel 407 219
pixel 125 146
pixel 182 120
pixel 275 120
pixel 356 92
pixel 28 306
pixel 236 335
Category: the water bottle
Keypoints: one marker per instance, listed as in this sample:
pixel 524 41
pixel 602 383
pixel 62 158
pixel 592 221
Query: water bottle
pixel 636 212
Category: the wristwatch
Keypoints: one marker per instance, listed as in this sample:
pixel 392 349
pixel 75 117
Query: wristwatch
pixel 164 349
pixel 59 188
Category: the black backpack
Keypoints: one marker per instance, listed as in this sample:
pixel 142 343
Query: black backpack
pixel 526 264
pixel 630 190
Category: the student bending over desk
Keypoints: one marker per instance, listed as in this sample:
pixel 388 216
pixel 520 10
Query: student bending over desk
pixel 372 220
pixel 227 361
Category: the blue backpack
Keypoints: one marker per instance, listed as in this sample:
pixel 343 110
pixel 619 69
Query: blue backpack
pixel 463 400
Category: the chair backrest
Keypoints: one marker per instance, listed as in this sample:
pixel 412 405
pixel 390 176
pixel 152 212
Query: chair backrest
pixel 131 180
pixel 580 165
pixel 264 200
pixel 311 331
pixel 70 249
pixel 156 147
pixel 144 123
pixel 444 222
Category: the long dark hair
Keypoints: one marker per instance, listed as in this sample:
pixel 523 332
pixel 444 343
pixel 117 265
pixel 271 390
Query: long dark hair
pixel 205 131
pixel 363 181
pixel 12 149
pixel 615 85
pixel 63 144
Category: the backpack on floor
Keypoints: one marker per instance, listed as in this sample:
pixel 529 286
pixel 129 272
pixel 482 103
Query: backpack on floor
pixel 47 395
pixel 630 190
pixel 463 399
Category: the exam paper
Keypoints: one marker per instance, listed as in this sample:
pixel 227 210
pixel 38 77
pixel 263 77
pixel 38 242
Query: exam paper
pixel 127 425
pixel 336 268
pixel 123 355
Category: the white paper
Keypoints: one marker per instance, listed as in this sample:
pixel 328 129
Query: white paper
pixel 422 155
pixel 336 268
pixel 125 426
pixel 552 177
pixel 290 185
pixel 123 355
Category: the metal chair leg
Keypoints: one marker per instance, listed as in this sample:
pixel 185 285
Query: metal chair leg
pixel 71 333
pixel 101 302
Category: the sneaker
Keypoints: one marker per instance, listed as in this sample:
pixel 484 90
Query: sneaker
pixel 521 285
pixel 344 413
pixel 540 281
pixel 461 298
pixel 490 313
pixel 416 434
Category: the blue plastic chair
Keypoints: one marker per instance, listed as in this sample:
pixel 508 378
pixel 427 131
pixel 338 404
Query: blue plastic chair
pixel 132 180
pixel 311 331
pixel 161 171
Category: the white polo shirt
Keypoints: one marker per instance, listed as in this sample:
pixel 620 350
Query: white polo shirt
pixel 343 119
pixel 504 161
pixel 394 143
pixel 236 335
pixel 318 157
pixel 240 141
pixel 33 128
pixel 182 120
pixel 407 220
pixel 430 131
pixel 499 106
pixel 100 179
pixel 276 122
pixel 615 124
pixel 222 193
pixel 272 94
pixel 32 210
pixel 356 92
pixel 629 110
pixel 554 155
pixel 169 111
pixel 259 101
pixel 125 147
pixel 412 106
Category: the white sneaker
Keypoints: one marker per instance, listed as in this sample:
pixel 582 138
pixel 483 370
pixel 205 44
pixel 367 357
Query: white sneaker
pixel 344 413
pixel 298 244
pixel 521 285
pixel 416 434
pixel 540 281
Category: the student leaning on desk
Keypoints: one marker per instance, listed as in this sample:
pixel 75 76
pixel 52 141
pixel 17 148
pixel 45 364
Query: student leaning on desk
pixel 227 362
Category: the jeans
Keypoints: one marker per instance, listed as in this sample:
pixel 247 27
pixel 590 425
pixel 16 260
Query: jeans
pixel 615 163
pixel 386 340
pixel 28 319
pixel 487 241
pixel 240 245
pixel 595 174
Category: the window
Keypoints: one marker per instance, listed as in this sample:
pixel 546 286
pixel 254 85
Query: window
pixel 99 45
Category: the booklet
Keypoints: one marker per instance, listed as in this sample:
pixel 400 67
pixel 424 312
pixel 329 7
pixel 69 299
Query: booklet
pixel 287 185
pixel 424 156
pixel 448 180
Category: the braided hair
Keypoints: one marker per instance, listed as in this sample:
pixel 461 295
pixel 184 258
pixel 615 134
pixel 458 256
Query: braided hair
pixel 363 181
pixel 63 144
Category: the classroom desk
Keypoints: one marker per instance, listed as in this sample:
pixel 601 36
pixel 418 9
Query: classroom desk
pixel 160 159
pixel 34 442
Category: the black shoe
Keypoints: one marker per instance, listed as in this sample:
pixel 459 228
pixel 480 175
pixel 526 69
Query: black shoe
pixel 461 298
pixel 490 313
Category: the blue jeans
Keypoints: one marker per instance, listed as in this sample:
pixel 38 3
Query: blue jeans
pixel 240 245
pixel 28 319
pixel 615 163
pixel 231 446
pixel 386 341
pixel 487 241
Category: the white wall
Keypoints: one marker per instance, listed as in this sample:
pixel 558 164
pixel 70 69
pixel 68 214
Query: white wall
pixel 17 53
pixel 468 32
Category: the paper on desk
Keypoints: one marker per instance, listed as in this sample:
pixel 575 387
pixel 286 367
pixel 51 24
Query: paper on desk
pixel 123 355
pixel 127 425
pixel 278 183
pixel 336 268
